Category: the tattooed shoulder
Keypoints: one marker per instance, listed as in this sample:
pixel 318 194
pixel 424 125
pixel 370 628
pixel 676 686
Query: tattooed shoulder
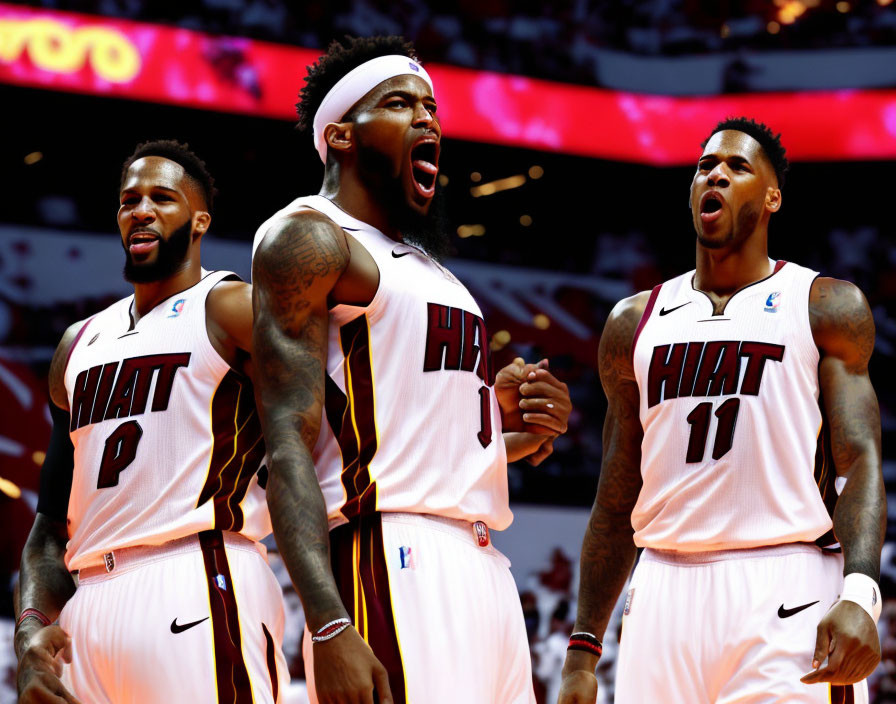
pixel 299 249
pixel 841 321
pixel 615 353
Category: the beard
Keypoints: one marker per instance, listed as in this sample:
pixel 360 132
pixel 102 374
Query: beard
pixel 428 231
pixel 170 256
pixel 744 225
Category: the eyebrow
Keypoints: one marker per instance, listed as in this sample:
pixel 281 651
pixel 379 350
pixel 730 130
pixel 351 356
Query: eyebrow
pixel 154 187
pixel 398 93
pixel 736 158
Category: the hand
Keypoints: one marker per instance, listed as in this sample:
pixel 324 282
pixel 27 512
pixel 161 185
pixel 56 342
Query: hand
pixel 545 403
pixel 347 672
pixel 542 453
pixel 507 391
pixel 578 687
pixel 847 637
pixel 40 668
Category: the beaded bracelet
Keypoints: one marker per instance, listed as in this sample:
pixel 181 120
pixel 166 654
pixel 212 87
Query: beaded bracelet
pixel 33 613
pixel 330 630
pixel 586 642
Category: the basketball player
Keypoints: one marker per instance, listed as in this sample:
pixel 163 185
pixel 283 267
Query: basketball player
pixel 374 371
pixel 151 490
pixel 739 403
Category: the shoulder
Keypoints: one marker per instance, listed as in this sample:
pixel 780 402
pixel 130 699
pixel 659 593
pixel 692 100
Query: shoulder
pixel 627 314
pixel 619 334
pixel 300 238
pixel 56 376
pixel 841 320
pixel 228 307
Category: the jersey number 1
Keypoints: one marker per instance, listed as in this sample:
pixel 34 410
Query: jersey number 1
pixel 120 451
pixel 699 419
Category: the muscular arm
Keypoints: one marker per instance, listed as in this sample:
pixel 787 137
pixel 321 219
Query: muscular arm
pixel 229 320
pixel 608 550
pixel 294 270
pixel 44 582
pixel 844 332
pixel 847 648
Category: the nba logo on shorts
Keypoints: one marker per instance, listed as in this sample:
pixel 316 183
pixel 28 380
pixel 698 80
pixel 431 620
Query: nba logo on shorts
pixel 480 532
pixel 628 601
pixel 772 302
pixel 404 554
pixel 221 582
pixel 177 308
pixel 109 559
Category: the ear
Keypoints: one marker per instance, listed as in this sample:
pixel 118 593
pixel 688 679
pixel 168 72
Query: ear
pixel 201 222
pixel 339 136
pixel 773 200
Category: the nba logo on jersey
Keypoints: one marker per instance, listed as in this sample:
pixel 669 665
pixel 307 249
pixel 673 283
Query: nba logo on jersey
pixel 177 308
pixel 405 555
pixel 772 302
pixel 480 532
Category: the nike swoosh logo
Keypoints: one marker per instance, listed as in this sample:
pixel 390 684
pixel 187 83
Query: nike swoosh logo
pixel 186 626
pixel 399 256
pixel 787 613
pixel 666 311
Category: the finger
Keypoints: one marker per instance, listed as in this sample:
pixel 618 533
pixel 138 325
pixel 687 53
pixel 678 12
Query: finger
pixel 823 675
pixel 519 361
pixel 381 683
pixel 544 364
pixel 545 405
pixel 543 424
pixel 823 646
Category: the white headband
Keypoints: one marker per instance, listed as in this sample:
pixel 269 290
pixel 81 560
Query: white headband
pixel 355 85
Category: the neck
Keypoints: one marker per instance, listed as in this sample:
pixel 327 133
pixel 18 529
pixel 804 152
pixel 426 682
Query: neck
pixel 148 295
pixel 345 189
pixel 724 271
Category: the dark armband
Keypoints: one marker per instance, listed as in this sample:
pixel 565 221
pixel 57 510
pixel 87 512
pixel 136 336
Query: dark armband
pixel 56 472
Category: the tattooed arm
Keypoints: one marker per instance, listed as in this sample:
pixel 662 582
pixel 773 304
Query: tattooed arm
pixel 45 583
pixel 843 329
pixel 295 269
pixel 608 550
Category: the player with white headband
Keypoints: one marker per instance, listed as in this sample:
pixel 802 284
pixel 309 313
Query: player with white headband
pixel 388 467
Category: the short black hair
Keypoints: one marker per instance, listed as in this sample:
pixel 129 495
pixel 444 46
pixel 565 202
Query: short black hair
pixel 768 140
pixel 342 57
pixel 180 154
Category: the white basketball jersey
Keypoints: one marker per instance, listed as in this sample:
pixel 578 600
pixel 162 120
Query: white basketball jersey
pixel 411 420
pixel 167 439
pixel 733 454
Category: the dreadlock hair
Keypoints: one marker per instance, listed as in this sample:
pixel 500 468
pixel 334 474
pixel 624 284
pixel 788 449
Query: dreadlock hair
pixel 180 154
pixel 768 140
pixel 342 57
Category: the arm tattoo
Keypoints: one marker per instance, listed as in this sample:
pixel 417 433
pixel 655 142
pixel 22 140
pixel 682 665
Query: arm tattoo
pixel 608 550
pixel 843 328
pixel 294 270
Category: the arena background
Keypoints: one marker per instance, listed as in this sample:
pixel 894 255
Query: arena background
pixel 571 132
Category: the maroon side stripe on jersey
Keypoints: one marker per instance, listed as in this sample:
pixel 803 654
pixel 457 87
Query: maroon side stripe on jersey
pixel 367 579
pixel 648 309
pixel 825 476
pixel 237 450
pixel 842 694
pixel 355 419
pixel 271 656
pixel 230 668
pixel 74 344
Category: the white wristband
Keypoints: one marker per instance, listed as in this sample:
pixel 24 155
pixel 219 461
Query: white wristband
pixel 862 590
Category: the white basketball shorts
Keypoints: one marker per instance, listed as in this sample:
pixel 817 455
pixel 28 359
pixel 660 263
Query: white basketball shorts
pixel 730 626
pixel 439 609
pixel 196 620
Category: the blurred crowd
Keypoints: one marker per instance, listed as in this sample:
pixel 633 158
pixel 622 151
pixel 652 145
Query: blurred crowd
pixel 554 40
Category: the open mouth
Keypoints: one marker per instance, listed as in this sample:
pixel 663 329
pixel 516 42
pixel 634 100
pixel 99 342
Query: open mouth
pixel 424 167
pixel 710 207
pixel 142 242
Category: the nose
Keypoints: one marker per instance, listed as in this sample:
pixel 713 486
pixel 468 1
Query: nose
pixel 143 211
pixel 718 177
pixel 422 116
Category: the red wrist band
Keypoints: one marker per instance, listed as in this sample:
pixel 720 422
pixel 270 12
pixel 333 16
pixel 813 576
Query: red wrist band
pixel 33 613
